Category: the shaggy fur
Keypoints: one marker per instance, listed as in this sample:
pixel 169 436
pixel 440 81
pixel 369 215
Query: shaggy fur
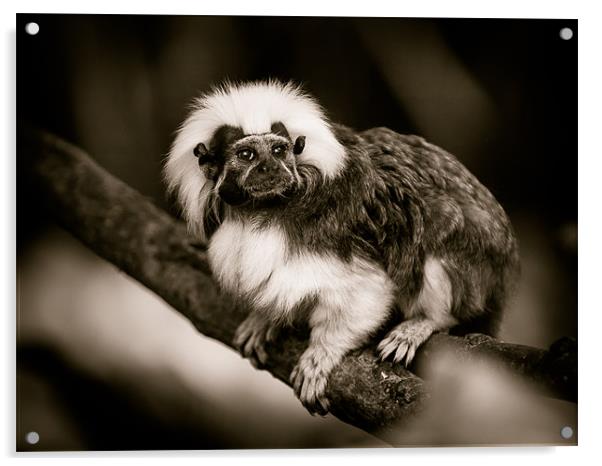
pixel 342 234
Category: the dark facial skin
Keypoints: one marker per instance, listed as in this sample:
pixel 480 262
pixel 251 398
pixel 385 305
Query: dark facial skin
pixel 259 167
pixel 264 164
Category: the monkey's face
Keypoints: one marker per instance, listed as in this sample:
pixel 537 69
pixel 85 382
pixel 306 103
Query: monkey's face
pixel 256 167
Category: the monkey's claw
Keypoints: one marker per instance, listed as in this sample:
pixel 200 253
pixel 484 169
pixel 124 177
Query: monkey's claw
pixel 250 339
pixel 309 381
pixel 403 341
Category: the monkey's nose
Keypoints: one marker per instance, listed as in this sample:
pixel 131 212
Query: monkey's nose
pixel 267 167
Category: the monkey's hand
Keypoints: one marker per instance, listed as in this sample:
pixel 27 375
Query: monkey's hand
pixel 251 337
pixel 335 330
pixel 310 377
pixel 403 341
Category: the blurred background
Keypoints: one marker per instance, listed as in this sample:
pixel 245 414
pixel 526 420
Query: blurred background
pixel 102 363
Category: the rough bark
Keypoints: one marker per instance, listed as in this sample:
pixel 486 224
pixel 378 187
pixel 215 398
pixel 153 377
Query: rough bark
pixel 127 229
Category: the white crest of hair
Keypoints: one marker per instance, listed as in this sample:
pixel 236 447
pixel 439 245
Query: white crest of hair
pixel 254 107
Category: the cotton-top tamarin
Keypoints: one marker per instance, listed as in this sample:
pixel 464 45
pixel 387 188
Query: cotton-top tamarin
pixel 309 220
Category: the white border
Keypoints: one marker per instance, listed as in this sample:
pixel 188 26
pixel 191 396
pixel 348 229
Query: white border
pixel 590 170
pixel 425 8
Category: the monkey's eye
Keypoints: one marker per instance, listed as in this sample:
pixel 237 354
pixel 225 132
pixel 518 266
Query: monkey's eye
pixel 246 154
pixel 278 150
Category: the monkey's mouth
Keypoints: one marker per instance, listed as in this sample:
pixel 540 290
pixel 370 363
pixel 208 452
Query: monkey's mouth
pixel 269 188
pixel 264 190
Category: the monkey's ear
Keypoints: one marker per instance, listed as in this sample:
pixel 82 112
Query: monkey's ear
pixel 299 145
pixel 202 153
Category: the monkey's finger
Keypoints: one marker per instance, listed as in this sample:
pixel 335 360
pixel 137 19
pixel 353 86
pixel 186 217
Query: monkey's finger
pixel 410 355
pixel 271 334
pixel 261 354
pixel 237 340
pixel 305 389
pixel 401 351
pixel 324 405
pixel 386 348
pixel 391 341
pixel 249 347
pixel 311 404
pixel 241 337
pixel 311 409
pixel 382 345
pixel 389 349
pixel 296 380
pixel 240 345
pixel 317 405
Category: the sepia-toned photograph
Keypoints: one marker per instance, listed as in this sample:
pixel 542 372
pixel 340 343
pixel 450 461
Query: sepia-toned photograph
pixel 265 232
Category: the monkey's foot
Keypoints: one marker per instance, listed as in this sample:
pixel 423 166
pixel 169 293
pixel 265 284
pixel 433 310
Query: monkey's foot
pixel 251 337
pixel 405 339
pixel 309 379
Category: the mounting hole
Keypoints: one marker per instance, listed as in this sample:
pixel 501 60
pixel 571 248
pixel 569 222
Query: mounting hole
pixel 566 33
pixel 566 432
pixel 32 28
pixel 32 438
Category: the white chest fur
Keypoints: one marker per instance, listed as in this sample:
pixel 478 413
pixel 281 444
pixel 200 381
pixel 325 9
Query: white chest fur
pixel 257 263
pixel 243 256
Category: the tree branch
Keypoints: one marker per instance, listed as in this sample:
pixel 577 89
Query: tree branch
pixel 125 228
